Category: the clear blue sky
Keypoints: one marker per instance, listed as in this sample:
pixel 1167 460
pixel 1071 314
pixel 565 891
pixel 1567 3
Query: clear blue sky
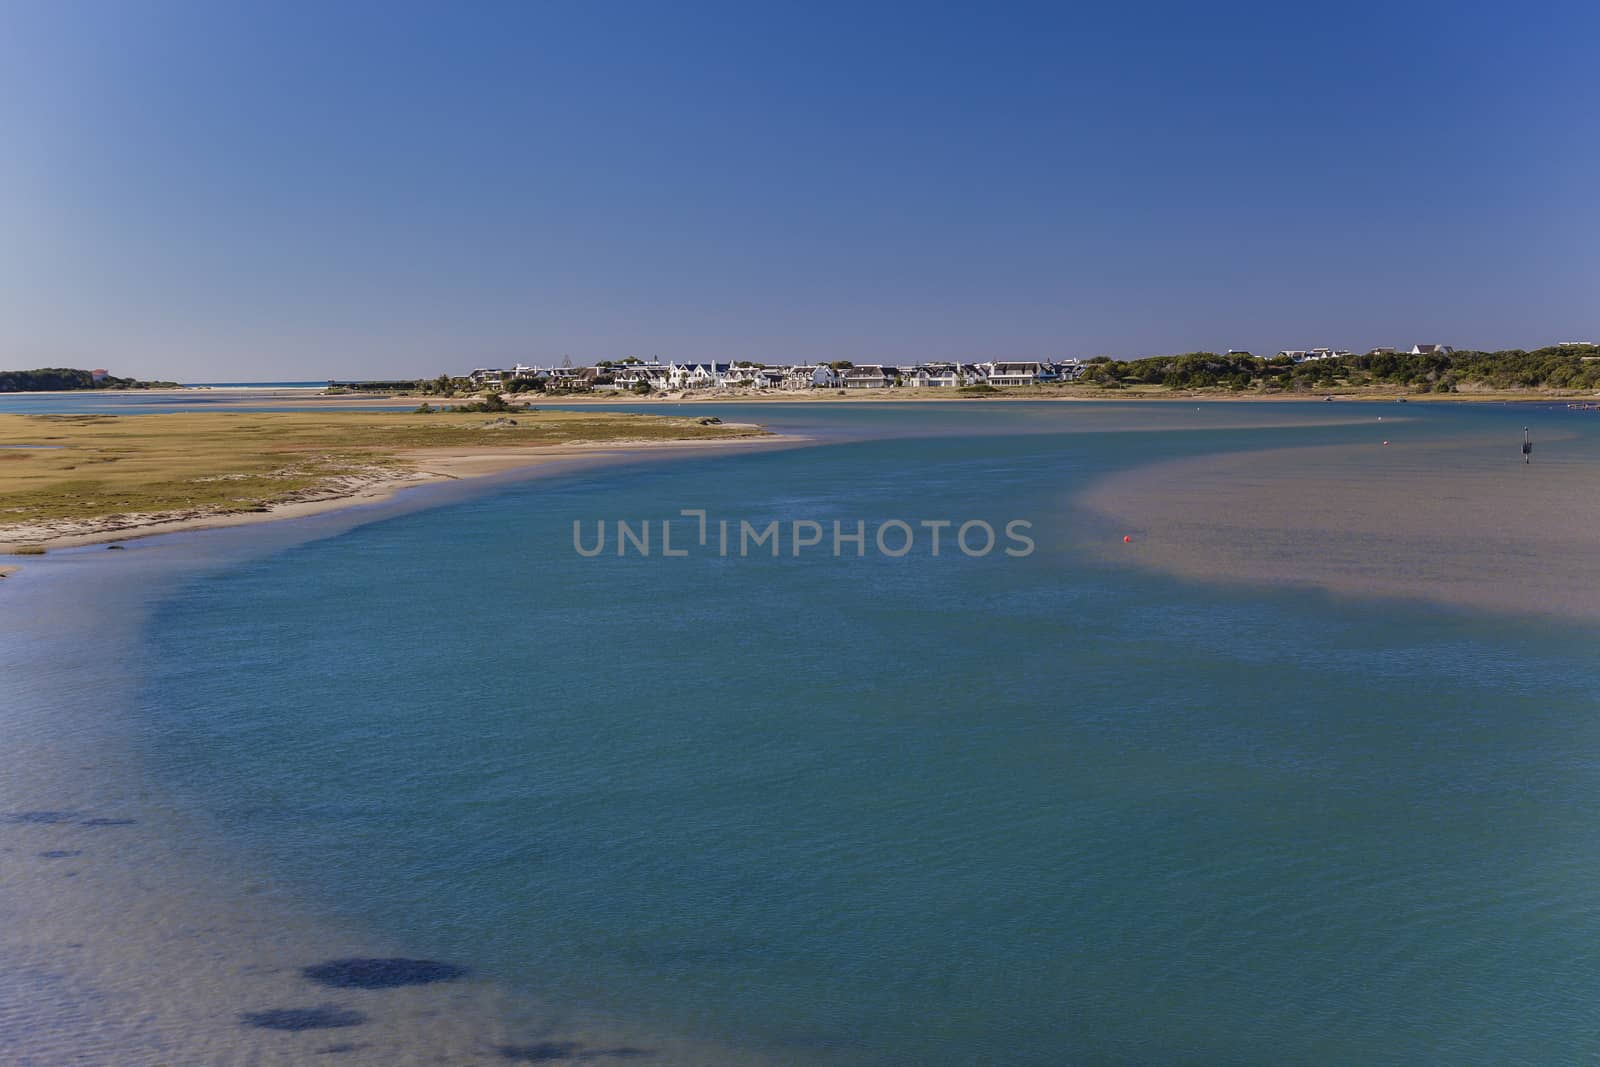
pixel 225 191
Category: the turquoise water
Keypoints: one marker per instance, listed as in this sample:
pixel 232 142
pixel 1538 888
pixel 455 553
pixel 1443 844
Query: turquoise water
pixel 877 811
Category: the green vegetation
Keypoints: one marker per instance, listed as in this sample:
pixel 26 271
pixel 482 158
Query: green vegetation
pixel 980 389
pixel 65 379
pixel 491 403
pixel 1567 367
pixel 387 386
pixel 211 462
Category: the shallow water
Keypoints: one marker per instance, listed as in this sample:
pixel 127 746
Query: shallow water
pixel 877 811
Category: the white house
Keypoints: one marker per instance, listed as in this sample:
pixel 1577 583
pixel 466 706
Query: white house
pixel 487 376
pixel 629 375
pixel 870 376
pixel 819 376
pixel 1020 373
pixel 696 375
pixel 742 374
pixel 935 376
pixel 569 378
pixel 1432 350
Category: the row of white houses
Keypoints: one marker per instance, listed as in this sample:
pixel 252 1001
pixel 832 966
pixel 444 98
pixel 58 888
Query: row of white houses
pixel 675 377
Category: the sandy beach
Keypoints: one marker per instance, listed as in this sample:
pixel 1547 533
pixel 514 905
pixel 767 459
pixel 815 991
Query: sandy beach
pixel 1461 522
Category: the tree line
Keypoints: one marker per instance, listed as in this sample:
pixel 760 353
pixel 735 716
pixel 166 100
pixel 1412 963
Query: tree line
pixel 66 379
pixel 1553 367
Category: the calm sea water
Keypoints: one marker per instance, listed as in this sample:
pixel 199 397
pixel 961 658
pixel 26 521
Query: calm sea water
pixel 876 811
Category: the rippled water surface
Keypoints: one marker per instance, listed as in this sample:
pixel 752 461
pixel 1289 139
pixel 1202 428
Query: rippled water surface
pixel 873 811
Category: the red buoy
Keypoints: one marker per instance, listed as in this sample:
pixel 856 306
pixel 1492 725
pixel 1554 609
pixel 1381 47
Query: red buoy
pixel 1127 540
pixel 1386 442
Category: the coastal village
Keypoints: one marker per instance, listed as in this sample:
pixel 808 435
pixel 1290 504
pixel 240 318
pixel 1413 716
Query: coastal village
pixel 641 375
pixel 651 375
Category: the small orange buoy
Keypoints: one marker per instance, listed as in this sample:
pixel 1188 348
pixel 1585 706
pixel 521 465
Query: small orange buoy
pixel 1127 540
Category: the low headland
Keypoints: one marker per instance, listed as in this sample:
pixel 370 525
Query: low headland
pixel 79 479
pixel 70 380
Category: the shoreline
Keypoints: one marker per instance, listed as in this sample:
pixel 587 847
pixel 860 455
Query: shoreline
pixel 428 466
pixel 149 942
pixel 937 396
pixel 135 931
pixel 309 396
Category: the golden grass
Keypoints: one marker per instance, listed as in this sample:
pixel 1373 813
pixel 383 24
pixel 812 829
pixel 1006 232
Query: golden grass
pixel 216 462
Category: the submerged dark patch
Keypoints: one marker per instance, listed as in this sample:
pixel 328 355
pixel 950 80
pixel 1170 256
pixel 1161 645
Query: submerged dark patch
pixel 42 818
pixel 545 1051
pixel 381 973
pixel 60 853
pixel 323 1018
pixel 332 1049
pixel 108 822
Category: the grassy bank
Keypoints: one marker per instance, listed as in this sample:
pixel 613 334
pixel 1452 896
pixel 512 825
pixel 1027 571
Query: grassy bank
pixel 189 464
